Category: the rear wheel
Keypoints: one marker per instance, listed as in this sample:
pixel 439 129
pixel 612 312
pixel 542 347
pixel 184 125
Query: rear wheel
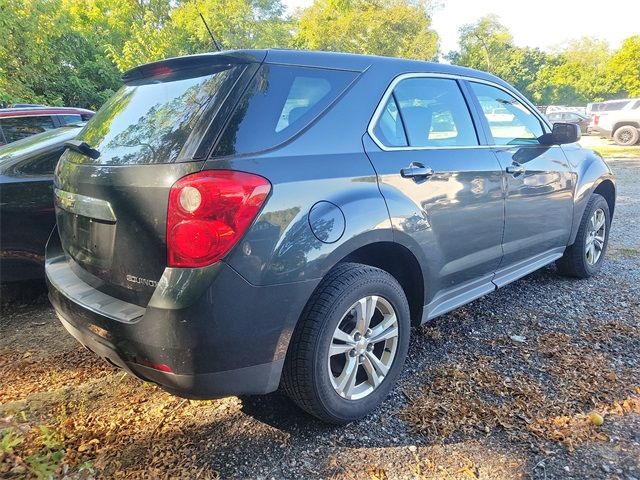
pixel 350 345
pixel 584 258
pixel 626 136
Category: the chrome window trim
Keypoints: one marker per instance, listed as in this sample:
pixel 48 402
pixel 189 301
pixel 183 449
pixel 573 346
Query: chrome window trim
pixel 385 97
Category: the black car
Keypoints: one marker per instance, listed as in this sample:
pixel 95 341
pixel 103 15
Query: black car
pixel 26 202
pixel 571 117
pixel 232 222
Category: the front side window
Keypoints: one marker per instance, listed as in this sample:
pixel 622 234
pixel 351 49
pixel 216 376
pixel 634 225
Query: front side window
pixel 433 113
pixel 510 122
pixel 43 164
pixel 281 100
pixel 16 128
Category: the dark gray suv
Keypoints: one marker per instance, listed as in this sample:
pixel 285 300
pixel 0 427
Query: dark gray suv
pixel 234 222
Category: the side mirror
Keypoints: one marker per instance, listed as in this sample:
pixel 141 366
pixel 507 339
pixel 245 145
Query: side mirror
pixel 565 133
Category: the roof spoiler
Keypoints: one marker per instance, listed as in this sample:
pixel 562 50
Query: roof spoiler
pixel 190 66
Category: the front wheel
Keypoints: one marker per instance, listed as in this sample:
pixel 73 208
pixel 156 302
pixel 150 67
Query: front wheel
pixel 626 136
pixel 350 345
pixel 584 258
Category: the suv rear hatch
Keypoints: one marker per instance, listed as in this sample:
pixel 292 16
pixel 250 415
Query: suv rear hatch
pixel 112 184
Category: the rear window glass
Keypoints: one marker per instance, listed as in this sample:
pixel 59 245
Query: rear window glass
pixel 280 102
pixel 609 106
pixel 151 122
pixel 16 128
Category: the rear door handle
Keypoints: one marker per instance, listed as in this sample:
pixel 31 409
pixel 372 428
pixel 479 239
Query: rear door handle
pixel 515 169
pixel 416 171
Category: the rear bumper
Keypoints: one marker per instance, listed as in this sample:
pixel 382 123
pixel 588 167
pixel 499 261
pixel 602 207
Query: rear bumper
pixel 230 339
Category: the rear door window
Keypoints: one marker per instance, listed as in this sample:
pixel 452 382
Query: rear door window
pixel 515 125
pixel 433 112
pixel 16 128
pixel 280 101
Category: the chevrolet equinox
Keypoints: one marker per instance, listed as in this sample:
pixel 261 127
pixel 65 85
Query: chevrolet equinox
pixel 234 222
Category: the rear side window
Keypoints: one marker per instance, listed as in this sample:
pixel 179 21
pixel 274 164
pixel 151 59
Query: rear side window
pixel 280 101
pixel 67 119
pixel 611 106
pixel 433 113
pixel 16 128
pixel 152 122
pixel 510 122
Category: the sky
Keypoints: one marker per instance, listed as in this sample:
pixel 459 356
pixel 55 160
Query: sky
pixel 538 23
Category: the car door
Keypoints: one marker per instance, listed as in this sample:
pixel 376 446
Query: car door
pixel 539 185
pixel 27 213
pixel 443 188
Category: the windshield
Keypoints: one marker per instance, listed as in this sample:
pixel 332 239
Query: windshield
pixel 152 122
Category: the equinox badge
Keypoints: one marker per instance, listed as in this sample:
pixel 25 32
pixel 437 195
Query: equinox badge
pixel 141 281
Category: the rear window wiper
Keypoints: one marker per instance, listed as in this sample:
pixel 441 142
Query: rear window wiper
pixel 82 147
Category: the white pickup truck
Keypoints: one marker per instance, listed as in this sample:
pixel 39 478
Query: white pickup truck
pixel 621 125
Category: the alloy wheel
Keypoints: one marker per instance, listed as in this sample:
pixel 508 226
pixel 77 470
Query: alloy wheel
pixel 363 347
pixel 595 237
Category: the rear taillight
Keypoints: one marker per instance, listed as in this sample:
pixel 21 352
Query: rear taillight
pixel 596 119
pixel 209 212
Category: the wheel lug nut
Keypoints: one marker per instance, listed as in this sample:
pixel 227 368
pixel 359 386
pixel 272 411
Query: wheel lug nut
pixel 361 358
pixel 367 334
pixel 370 347
pixel 357 336
pixel 352 353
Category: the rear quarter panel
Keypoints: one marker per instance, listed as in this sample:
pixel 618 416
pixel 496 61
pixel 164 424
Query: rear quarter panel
pixel 326 162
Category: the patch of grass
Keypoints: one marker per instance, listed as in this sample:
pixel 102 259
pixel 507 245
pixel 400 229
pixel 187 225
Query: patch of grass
pixel 625 252
pixel 615 151
pixel 9 441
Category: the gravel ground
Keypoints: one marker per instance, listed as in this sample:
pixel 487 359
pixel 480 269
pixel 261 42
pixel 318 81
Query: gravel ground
pixel 268 437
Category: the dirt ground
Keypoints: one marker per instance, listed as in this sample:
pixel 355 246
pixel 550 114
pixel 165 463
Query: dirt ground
pixel 514 385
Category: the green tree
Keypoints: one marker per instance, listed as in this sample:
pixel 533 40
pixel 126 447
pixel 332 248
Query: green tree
pixel 400 28
pixel 577 74
pixel 624 67
pixel 488 45
pixel 483 45
pixel 46 58
pixel 180 30
pixel 73 51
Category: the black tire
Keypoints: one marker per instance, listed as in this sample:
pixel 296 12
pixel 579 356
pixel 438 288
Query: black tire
pixel 626 136
pixel 305 377
pixel 574 261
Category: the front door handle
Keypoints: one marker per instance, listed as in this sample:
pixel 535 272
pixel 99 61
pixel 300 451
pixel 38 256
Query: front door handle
pixel 515 169
pixel 417 171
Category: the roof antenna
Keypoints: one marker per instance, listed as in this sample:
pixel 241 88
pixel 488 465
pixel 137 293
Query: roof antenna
pixel 215 43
